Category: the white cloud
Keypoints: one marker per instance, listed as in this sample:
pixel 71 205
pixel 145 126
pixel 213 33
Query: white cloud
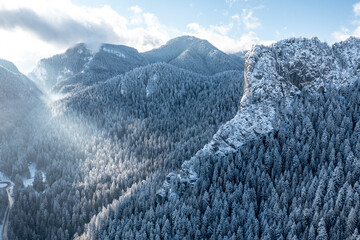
pixel 345 33
pixel 250 21
pixel 50 26
pixel 356 9
pixel 247 19
pixel 341 35
pixel 136 9
pixel 218 36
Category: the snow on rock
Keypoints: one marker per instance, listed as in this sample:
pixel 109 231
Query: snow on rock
pixel 274 74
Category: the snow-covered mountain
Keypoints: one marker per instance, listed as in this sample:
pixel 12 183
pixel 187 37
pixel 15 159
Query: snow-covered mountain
pixel 61 66
pixel 273 75
pixel 195 55
pixel 284 164
pixel 17 94
pixel 81 66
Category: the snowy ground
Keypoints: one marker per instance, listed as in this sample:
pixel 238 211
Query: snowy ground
pixel 32 170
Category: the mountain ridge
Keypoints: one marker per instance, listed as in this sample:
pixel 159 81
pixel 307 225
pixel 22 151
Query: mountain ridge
pixel 182 50
pixel 80 66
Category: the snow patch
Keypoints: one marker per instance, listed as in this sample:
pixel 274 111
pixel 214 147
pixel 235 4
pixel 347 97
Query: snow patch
pixel 117 53
pixel 65 73
pixel 152 85
pixel 32 169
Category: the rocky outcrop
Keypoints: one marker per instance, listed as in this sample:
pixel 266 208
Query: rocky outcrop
pixel 274 74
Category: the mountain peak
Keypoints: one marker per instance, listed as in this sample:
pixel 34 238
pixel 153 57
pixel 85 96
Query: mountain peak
pixel 194 54
pixel 187 41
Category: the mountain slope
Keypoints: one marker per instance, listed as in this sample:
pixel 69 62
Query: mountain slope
pixel 18 94
pixel 117 135
pixel 194 55
pixel 285 167
pixel 276 74
pixel 51 70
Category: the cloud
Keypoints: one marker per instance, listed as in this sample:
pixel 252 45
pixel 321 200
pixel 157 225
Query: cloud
pixel 356 9
pixel 66 26
pixel 247 19
pixel 250 21
pixel 345 33
pixel 218 36
pixel 62 31
pixel 222 36
pixel 341 35
pixel 136 9
pixel 230 3
pixel 54 26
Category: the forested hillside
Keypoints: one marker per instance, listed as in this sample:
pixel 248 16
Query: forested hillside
pixel 300 181
pixel 180 143
pixel 276 170
pixel 100 143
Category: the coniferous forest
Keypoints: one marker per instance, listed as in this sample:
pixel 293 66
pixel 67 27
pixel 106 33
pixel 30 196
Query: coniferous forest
pixel 183 142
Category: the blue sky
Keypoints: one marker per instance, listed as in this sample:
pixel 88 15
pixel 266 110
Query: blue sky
pixel 278 18
pixel 31 30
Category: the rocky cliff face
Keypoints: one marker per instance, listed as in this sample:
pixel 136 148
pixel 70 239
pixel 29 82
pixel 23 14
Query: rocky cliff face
pixel 275 74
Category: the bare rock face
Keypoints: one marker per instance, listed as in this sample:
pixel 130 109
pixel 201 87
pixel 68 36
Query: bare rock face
pixel 272 75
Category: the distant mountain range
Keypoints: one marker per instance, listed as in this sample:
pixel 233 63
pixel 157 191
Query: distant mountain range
pixel 79 67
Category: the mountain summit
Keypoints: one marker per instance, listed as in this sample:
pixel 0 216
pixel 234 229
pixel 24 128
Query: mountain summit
pixel 193 54
pixel 80 66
